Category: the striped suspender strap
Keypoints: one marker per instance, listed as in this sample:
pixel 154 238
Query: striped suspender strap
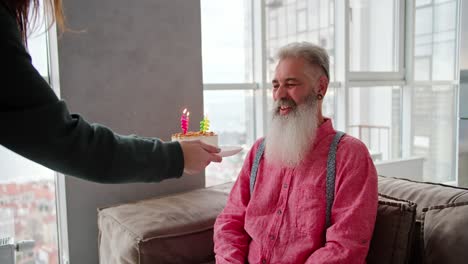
pixel 253 172
pixel 331 165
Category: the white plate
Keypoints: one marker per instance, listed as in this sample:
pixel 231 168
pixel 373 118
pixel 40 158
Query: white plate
pixel 227 151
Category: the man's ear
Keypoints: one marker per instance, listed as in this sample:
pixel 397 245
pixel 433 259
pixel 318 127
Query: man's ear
pixel 323 85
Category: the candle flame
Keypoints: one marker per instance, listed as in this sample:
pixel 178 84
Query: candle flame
pixel 188 113
pixel 185 110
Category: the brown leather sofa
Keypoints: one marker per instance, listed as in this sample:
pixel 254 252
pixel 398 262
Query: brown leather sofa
pixel 416 223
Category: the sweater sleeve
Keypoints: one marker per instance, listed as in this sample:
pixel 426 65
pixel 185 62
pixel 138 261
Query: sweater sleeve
pixel 354 209
pixel 38 126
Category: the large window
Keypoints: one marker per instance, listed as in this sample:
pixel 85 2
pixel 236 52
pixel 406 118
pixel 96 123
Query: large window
pixel 434 125
pixel 374 35
pixel 228 80
pixel 434 90
pixel 226 45
pixel 27 190
pixel 237 73
pixel 393 72
pixel 299 20
pixel 435 40
pixel 375 75
pixel 230 114
pixel 375 114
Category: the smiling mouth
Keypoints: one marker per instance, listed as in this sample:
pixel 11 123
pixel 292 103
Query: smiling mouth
pixel 284 110
pixel 285 106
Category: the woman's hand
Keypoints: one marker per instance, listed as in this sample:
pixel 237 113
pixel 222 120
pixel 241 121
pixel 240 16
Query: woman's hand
pixel 198 155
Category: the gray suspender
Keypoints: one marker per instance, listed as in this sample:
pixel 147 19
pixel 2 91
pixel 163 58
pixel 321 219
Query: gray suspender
pixel 253 172
pixel 331 162
pixel 331 165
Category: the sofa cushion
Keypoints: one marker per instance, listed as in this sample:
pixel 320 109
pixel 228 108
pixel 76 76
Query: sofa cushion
pixel 445 233
pixel 172 229
pixel 424 194
pixel 391 240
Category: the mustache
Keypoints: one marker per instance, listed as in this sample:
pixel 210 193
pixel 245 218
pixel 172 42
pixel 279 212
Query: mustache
pixel 285 102
pixel 309 100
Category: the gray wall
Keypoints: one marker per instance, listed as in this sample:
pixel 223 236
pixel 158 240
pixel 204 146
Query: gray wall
pixel 133 68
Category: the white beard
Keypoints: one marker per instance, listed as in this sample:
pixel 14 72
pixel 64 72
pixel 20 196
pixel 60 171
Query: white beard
pixel 290 137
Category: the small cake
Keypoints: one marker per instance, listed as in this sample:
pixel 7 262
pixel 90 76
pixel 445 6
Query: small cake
pixel 208 137
pixel 203 135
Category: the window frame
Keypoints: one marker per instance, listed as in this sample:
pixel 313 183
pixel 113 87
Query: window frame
pixel 60 185
pixel 400 74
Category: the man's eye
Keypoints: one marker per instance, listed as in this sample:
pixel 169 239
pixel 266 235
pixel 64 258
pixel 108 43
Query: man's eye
pixel 276 86
pixel 291 85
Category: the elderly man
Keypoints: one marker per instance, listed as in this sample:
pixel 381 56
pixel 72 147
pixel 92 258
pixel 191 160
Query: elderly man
pixel 284 217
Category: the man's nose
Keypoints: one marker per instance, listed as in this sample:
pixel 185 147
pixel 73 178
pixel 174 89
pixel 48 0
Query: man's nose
pixel 281 92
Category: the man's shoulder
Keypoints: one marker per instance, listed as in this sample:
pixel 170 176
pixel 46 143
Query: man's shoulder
pixel 253 150
pixel 351 143
pixel 257 143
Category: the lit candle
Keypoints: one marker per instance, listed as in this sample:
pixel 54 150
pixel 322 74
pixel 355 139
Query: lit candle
pixel 184 121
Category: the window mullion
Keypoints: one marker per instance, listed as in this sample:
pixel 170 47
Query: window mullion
pixel 401 38
pixel 376 83
pixel 260 68
pixel 377 76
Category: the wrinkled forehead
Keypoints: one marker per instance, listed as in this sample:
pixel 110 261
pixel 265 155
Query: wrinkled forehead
pixel 293 67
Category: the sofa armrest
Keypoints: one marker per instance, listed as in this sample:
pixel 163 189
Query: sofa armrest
pixel 171 229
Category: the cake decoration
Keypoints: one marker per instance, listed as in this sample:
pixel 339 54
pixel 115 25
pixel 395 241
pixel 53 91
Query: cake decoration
pixel 184 121
pixel 205 124
pixel 203 135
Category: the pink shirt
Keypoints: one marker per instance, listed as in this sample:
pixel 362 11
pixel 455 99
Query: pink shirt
pixel 284 220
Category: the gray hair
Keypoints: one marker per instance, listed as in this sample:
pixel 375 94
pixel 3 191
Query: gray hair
pixel 313 54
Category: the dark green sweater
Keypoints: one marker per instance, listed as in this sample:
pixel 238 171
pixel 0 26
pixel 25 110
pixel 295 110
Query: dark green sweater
pixel 38 126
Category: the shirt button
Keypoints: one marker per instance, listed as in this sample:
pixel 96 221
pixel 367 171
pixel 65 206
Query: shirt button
pixel 285 185
pixel 279 212
pixel 272 237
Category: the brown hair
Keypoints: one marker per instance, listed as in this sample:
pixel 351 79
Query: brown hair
pixel 21 9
